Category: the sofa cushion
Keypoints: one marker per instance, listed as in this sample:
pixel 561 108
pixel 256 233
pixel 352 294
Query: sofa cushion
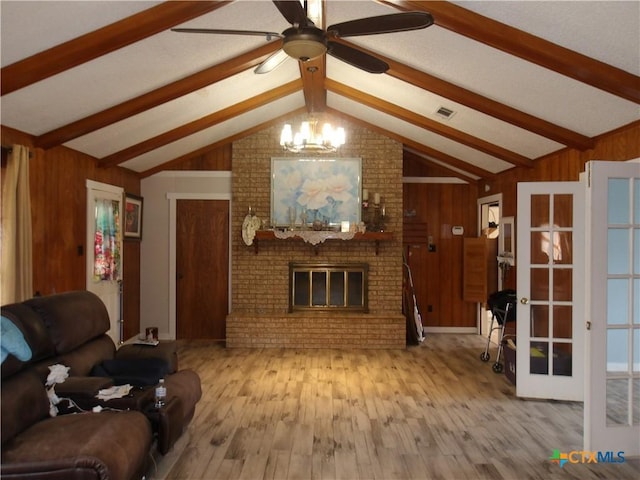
pixel 81 360
pixel 24 402
pixel 72 318
pixel 107 446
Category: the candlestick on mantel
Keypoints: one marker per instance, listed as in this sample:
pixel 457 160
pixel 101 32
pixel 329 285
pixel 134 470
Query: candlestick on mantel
pixel 376 198
pixel 365 194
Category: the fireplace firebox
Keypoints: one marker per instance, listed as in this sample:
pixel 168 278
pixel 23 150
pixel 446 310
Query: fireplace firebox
pixel 329 287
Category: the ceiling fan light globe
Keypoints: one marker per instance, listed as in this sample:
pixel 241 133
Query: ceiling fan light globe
pixel 305 44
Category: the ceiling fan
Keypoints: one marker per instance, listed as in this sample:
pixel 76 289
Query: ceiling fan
pixel 304 41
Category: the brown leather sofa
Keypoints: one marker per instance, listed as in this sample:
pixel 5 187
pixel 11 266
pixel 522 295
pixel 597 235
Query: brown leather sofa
pixel 114 444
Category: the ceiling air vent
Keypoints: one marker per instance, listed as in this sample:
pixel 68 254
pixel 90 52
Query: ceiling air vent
pixel 445 113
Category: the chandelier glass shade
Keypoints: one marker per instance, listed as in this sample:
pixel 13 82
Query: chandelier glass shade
pixel 309 139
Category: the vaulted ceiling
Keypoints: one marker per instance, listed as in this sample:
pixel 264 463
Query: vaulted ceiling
pixel 523 79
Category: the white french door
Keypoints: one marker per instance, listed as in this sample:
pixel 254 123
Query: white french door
pixel 107 282
pixel 550 279
pixel 612 393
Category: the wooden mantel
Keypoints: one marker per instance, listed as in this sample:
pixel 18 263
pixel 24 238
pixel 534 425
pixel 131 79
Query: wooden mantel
pixel 377 237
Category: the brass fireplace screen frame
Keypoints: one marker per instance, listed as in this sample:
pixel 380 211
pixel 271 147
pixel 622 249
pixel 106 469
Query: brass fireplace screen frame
pixel 328 287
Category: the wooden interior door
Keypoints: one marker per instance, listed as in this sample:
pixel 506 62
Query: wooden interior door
pixel 202 269
pixel 480 277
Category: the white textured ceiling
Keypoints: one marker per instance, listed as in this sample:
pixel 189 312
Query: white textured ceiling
pixel 605 31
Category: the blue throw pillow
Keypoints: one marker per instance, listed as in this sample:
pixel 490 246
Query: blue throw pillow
pixel 12 341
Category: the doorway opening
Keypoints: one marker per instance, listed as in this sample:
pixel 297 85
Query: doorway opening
pixel 489 218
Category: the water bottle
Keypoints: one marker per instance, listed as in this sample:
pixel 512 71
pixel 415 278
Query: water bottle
pixel 161 394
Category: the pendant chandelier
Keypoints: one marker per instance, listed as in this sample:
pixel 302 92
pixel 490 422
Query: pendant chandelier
pixel 308 139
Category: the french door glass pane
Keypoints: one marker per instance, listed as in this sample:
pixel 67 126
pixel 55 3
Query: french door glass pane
pixel 563 210
pixel 539 210
pixel 539 284
pixel 617 401
pixel 636 350
pixel 618 197
pixel 636 303
pixel 636 251
pixel 618 251
pixel 636 401
pixel 617 350
pixel 539 358
pixel 562 321
pixel 562 284
pixel 540 248
pixel 562 359
pixel 540 321
pixel 617 301
pixel 636 201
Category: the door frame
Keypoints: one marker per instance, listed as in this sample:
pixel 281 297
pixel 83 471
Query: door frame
pixel 481 312
pixel 173 207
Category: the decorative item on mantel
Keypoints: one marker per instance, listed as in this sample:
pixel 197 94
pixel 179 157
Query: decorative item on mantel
pixel 314 237
pixel 250 225
pixel 374 215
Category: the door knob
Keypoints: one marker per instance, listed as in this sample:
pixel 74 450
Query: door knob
pixel 524 300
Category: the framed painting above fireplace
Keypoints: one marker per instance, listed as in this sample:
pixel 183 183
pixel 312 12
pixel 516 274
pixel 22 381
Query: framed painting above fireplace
pixel 304 190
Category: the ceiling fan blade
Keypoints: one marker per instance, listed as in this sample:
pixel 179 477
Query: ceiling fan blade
pixel 273 61
pixel 268 35
pixel 293 11
pixel 358 59
pixel 395 22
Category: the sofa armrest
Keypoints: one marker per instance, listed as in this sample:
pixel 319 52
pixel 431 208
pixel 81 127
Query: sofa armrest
pixel 165 350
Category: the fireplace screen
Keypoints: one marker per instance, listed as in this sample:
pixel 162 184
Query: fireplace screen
pixel 328 287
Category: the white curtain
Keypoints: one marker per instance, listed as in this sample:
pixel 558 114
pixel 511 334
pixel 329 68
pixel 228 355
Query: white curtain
pixel 16 276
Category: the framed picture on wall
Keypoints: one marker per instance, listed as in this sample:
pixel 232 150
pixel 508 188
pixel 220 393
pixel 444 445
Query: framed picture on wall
pixel 507 240
pixel 307 189
pixel 133 216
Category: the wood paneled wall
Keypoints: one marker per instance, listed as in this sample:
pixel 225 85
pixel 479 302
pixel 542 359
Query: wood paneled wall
pixel 58 204
pixel 437 275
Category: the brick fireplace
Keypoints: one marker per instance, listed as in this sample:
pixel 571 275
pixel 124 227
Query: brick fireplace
pixel 260 315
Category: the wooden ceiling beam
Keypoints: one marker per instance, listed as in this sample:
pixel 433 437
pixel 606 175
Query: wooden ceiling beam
pixel 528 47
pixel 313 74
pixel 482 104
pixel 432 152
pixel 157 97
pixel 428 124
pixel 200 124
pixel 100 42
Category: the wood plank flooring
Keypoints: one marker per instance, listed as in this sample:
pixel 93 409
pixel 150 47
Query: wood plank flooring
pixel 429 412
